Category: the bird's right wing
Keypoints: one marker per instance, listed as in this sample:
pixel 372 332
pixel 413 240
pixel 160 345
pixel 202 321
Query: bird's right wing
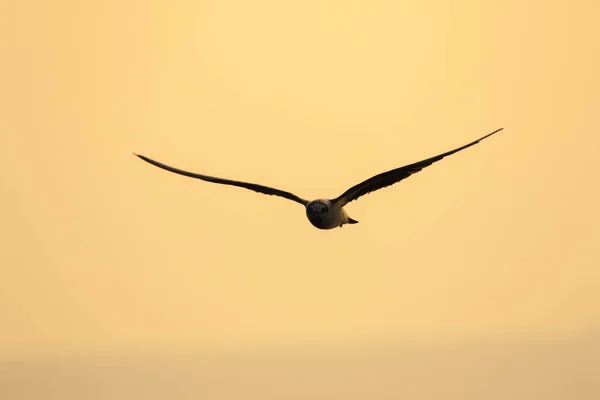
pixel 251 186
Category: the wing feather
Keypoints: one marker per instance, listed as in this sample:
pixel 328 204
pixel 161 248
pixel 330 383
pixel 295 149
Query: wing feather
pixel 252 186
pixel 396 175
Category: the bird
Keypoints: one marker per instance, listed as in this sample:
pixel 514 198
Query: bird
pixel 325 213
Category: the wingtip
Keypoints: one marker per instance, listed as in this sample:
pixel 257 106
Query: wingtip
pixel 489 134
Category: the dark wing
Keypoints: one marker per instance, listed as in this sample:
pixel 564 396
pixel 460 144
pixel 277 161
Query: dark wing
pixel 251 186
pixel 396 175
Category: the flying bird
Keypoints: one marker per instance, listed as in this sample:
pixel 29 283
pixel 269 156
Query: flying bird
pixel 327 213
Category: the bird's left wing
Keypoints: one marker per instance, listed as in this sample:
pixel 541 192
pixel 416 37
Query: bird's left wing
pixel 396 175
pixel 252 186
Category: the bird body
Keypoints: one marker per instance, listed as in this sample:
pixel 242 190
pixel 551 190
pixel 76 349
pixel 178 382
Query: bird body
pixel 324 214
pixel 327 213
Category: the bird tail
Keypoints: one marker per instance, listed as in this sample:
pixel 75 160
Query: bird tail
pixel 352 221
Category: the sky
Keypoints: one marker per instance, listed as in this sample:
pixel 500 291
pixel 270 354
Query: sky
pixel 102 252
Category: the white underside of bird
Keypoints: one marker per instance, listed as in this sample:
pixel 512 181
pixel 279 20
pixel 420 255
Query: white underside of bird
pixel 327 213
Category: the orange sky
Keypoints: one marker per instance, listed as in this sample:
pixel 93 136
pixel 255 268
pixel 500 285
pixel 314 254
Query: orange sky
pixel 101 250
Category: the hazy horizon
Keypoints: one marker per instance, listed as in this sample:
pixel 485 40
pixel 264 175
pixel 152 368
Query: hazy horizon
pixel 451 369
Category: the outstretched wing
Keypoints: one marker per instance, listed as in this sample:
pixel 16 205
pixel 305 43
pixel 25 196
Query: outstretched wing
pixel 251 186
pixel 396 175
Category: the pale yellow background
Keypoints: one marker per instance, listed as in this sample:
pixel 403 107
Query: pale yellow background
pixel 103 254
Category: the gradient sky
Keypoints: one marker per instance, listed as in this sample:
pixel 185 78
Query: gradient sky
pixel 102 251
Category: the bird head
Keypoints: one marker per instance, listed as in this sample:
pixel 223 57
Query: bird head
pixel 317 209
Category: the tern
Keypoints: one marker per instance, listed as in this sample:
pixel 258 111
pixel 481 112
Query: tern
pixel 327 213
